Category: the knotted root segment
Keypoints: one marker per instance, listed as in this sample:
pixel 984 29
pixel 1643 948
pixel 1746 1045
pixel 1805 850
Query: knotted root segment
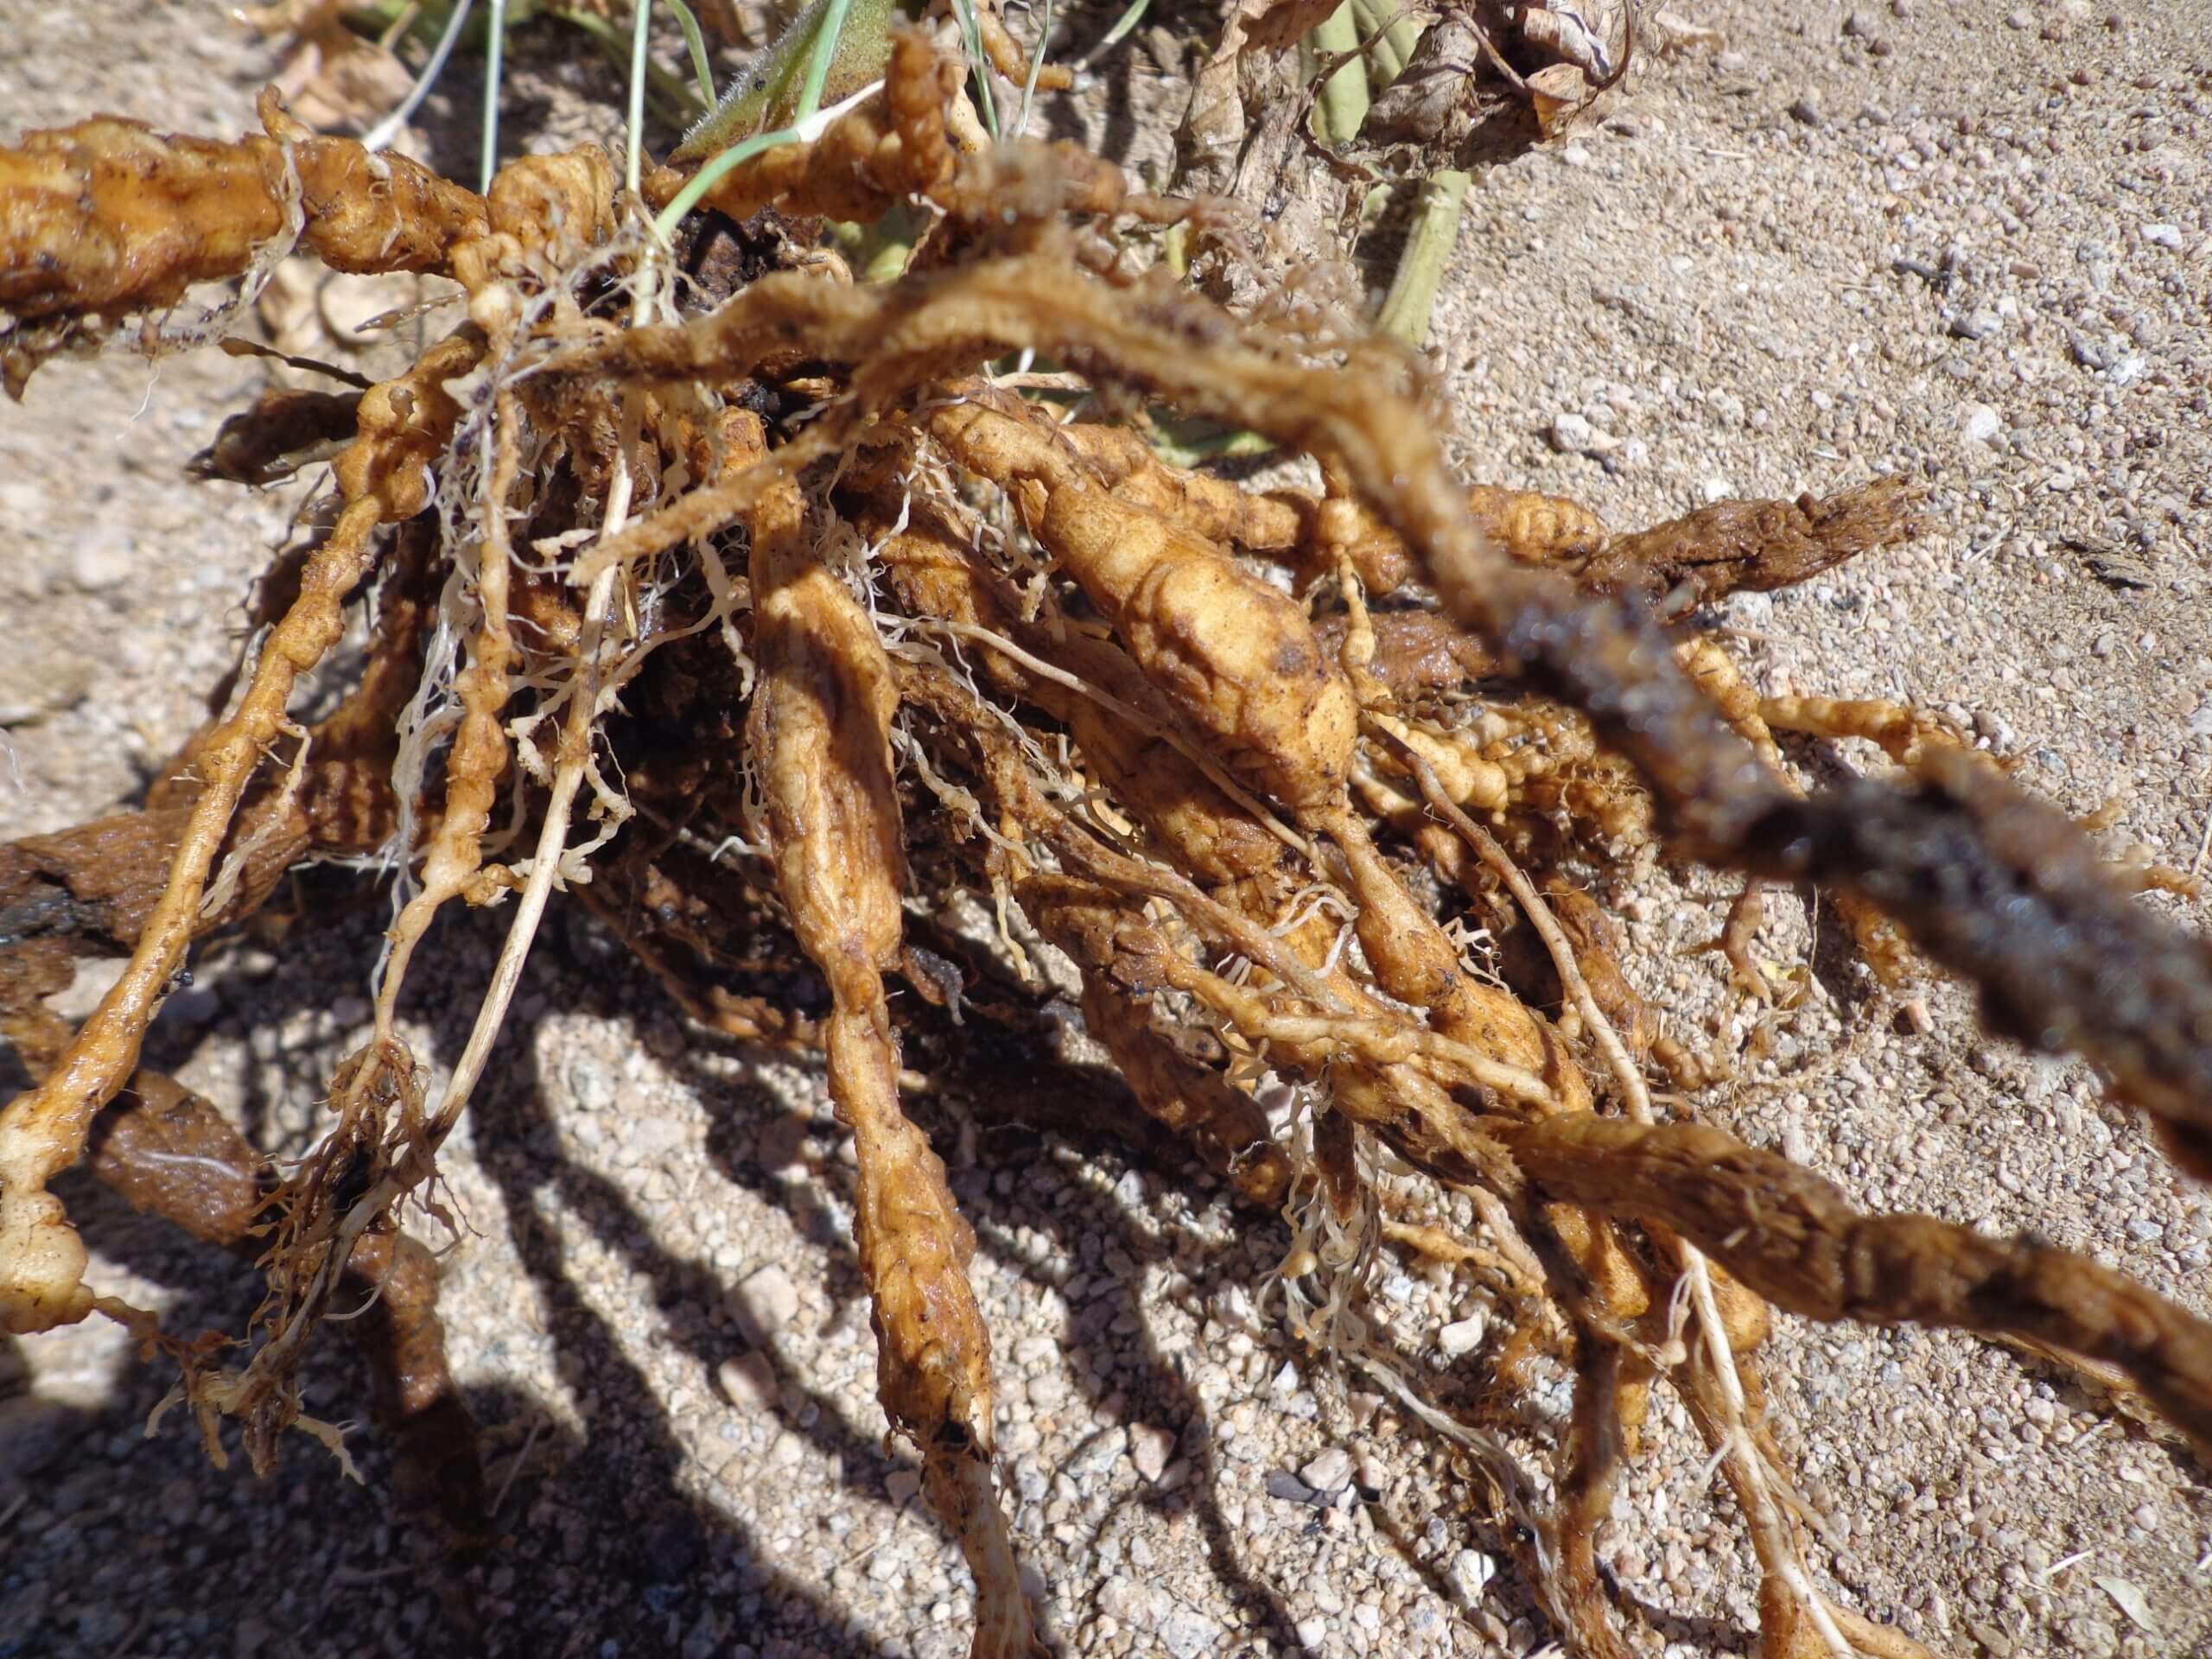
pixel 977 651
pixel 108 219
pixel 821 726
pixel 1792 1237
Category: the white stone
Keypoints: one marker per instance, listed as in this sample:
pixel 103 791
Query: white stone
pixel 103 560
pixel 1573 435
pixel 1127 1600
pixel 1463 1336
pixel 1981 423
pixel 1329 1470
pixel 767 1300
pixel 1149 1450
pixel 1187 1635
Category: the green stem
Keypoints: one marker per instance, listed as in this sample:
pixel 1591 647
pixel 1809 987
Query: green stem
pixel 1412 300
pixel 713 174
pixel 696 43
pixel 494 54
pixel 1114 36
pixel 826 52
pixel 1341 108
pixel 640 32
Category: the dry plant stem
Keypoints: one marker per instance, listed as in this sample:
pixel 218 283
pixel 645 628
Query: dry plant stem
pixel 821 723
pixel 552 841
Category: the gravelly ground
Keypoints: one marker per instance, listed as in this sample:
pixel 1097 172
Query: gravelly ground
pixel 1964 240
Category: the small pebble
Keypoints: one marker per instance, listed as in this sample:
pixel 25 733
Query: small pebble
pixel 1471 1572
pixel 1187 1635
pixel 767 1301
pixel 103 560
pixel 1149 1450
pixel 1573 435
pixel 1980 323
pixel 1462 1337
pixel 1328 1471
pixel 749 1381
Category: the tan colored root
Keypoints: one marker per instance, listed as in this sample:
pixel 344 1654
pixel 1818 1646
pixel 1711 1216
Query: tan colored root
pixel 1236 658
pixel 1715 1365
pixel 404 425
pixel 821 723
pixel 1902 732
pixel 1011 59
pixel 478 753
pixel 106 218
pixel 1178 891
pixel 379 1091
pixel 1204 506
pixel 1605 659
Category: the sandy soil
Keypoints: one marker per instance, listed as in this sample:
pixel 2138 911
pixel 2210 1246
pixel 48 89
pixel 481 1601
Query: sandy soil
pixel 1967 240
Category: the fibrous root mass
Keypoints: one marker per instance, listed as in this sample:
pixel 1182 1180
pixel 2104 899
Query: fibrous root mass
pixel 774 615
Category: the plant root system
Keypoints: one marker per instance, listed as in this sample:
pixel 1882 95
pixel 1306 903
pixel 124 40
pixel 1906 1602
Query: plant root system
pixel 789 632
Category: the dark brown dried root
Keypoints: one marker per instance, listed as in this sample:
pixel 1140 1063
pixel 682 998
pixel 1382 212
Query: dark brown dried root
pixel 1755 546
pixel 168 1153
pixel 1790 1235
